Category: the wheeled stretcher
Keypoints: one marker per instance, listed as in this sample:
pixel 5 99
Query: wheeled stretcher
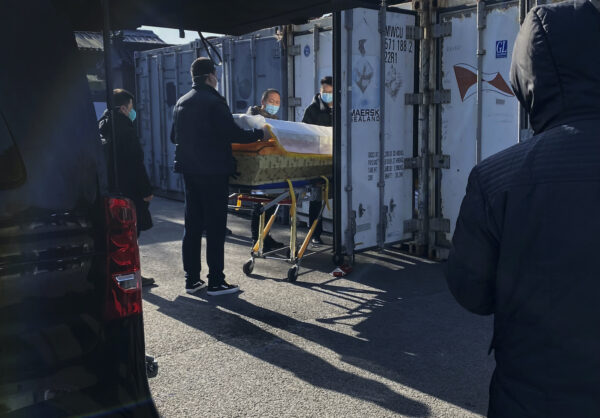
pixel 294 165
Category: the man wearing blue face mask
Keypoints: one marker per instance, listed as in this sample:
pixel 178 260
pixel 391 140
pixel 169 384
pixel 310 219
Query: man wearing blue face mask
pixel 131 171
pixel 269 107
pixel 319 112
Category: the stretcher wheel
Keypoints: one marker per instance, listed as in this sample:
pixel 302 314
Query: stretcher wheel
pixel 337 259
pixel 248 267
pixel 292 274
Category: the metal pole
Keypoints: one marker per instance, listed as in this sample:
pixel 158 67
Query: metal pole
pixel 480 53
pixel 350 227
pixel 381 184
pixel 424 195
pixel 316 55
pixel 106 38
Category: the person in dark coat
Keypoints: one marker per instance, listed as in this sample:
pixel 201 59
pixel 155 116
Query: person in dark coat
pixel 203 131
pixel 131 171
pixel 269 106
pixel 525 246
pixel 319 112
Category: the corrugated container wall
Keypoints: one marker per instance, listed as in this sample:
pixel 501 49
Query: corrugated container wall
pixel 250 65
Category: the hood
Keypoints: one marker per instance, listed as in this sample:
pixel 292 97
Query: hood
pixel 555 71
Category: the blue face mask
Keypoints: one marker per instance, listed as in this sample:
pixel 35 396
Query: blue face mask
pixel 132 114
pixel 327 97
pixel 272 109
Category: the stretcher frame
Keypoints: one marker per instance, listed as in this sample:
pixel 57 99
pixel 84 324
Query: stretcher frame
pixel 290 196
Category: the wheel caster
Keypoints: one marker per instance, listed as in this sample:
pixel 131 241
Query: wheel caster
pixel 337 259
pixel 248 267
pixel 292 274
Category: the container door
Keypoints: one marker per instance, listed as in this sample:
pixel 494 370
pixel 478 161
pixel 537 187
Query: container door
pixel 143 105
pixel 373 215
pixel 158 157
pixel 243 76
pixel 459 118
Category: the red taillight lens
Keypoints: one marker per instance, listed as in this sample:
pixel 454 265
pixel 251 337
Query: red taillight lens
pixel 124 287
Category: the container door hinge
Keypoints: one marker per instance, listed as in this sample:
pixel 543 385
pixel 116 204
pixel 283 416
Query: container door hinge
pixel 412 225
pixel 294 101
pixel 440 161
pixel 415 32
pixel 294 50
pixel 432 97
pixel 439 225
pixel 410 163
pixel 441 30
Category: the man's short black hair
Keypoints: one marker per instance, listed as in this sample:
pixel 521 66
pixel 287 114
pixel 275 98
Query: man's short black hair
pixel 121 97
pixel 327 80
pixel 267 92
pixel 201 68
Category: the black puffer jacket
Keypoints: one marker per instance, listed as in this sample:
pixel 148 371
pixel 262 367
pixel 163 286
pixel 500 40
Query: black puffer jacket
pixel 203 131
pixel 318 113
pixel 526 242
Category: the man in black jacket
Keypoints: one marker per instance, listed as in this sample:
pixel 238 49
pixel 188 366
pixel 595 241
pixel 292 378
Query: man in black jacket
pixel 319 112
pixel 203 131
pixel 526 242
pixel 131 171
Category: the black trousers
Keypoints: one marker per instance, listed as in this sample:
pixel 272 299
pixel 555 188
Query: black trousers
pixel 314 209
pixel 255 222
pixel 206 201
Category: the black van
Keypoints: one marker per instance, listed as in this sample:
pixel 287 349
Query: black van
pixel 71 330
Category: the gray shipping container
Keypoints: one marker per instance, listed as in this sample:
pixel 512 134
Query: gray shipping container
pixel 251 64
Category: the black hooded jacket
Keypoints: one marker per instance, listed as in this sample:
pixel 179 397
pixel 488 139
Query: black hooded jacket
pixel 526 239
pixel 318 113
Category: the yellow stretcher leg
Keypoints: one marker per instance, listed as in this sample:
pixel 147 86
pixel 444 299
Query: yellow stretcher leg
pixel 292 221
pixel 264 232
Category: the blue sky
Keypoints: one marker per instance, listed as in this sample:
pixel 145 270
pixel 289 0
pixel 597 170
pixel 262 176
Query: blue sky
pixel 171 36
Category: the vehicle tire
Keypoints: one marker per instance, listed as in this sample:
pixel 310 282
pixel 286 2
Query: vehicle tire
pixel 292 274
pixel 248 267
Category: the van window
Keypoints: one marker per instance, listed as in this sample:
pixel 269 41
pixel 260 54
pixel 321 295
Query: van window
pixel 12 170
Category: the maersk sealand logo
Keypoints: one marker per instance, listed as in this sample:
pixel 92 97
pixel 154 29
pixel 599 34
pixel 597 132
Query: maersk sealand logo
pixel 466 78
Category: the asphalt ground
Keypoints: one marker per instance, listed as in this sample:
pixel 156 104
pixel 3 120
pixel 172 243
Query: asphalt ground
pixel 387 340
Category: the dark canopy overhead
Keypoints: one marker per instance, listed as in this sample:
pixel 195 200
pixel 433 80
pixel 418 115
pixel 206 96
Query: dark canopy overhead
pixel 232 17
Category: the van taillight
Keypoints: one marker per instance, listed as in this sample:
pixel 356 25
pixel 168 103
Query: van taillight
pixel 124 287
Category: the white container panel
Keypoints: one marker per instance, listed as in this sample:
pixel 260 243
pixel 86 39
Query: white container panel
pixel 399 121
pixel 459 118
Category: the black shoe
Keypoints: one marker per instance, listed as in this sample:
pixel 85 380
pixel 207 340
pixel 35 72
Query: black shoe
pixel 228 232
pixel 222 289
pixel 316 241
pixel 194 286
pixel 147 281
pixel 271 245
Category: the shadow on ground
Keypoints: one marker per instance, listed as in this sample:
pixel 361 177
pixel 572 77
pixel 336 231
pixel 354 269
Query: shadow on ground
pixel 409 329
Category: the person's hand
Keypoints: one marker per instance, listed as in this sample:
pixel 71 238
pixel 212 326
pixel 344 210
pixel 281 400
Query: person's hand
pixel 148 198
pixel 266 133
